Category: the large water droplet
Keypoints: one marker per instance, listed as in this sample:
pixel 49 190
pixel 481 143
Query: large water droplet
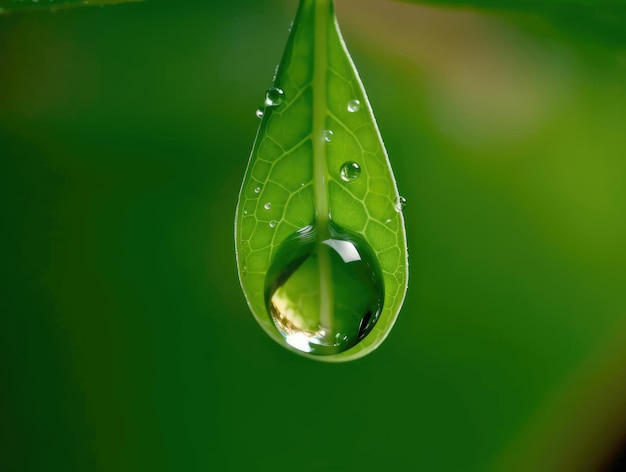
pixel 399 203
pixel 267 205
pixel 353 106
pixel 350 171
pixel 324 295
pixel 274 97
pixel 260 112
pixel 327 134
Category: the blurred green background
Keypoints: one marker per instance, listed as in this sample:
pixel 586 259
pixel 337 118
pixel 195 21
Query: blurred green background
pixel 126 342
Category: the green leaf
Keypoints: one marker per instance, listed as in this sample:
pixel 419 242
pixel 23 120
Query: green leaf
pixel 320 238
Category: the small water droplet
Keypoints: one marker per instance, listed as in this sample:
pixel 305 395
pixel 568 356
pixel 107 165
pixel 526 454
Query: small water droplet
pixel 273 224
pixel 267 206
pixel 353 106
pixel 260 112
pixel 328 320
pixel 244 270
pixel 327 134
pixel 274 97
pixel 257 189
pixel 245 212
pixel 399 203
pixel 350 171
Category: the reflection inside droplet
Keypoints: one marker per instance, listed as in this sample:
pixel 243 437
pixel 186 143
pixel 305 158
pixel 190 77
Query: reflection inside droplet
pixel 324 295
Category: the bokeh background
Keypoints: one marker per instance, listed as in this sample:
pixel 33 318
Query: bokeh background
pixel 126 342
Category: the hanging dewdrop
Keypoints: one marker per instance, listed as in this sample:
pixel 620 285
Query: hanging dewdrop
pixel 320 245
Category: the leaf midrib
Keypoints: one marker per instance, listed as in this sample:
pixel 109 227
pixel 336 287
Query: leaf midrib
pixel 320 177
pixel 320 67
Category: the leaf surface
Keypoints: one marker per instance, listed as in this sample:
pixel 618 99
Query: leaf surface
pixel 294 175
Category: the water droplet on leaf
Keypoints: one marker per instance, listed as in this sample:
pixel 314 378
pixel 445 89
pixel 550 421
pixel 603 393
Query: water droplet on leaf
pixel 400 203
pixel 324 295
pixel 260 112
pixel 273 224
pixel 267 205
pixel 350 171
pixel 274 97
pixel 327 134
pixel 353 106
pixel 257 189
